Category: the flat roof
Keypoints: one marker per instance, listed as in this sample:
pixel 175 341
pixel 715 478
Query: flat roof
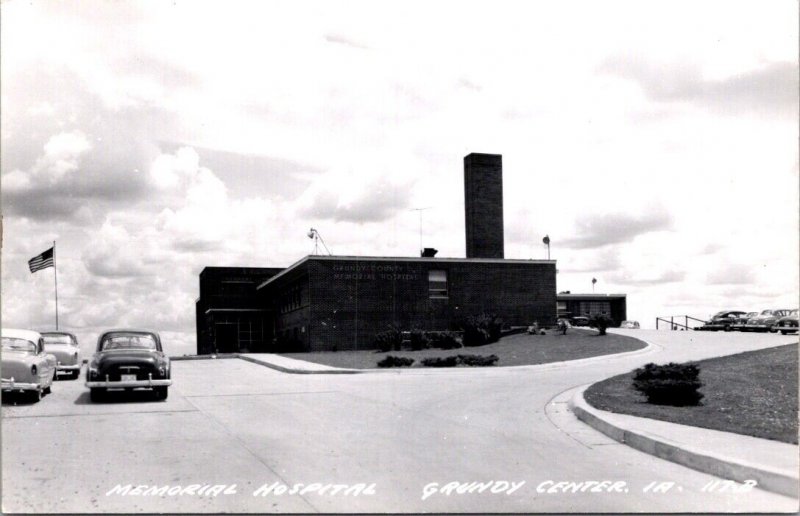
pixel 589 296
pixel 397 259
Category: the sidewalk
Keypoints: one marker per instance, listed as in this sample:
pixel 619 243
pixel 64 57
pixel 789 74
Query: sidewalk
pixel 290 365
pixel 774 465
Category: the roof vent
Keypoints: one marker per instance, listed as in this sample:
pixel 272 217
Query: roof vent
pixel 429 252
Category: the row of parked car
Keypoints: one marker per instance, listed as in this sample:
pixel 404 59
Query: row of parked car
pixel 772 320
pixel 124 359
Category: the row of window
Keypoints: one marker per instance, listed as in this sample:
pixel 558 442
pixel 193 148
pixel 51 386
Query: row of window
pixel 291 300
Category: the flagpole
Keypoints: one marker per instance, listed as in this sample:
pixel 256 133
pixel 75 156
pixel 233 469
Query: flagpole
pixel 55 277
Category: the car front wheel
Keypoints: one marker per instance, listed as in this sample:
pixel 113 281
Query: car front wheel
pixel 96 393
pixel 161 392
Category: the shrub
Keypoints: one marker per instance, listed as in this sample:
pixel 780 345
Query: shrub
pixel 440 361
pixel 671 384
pixel 482 329
pixel 393 361
pixel 388 340
pixel 601 322
pixel 478 360
pixel 419 340
pixel 444 340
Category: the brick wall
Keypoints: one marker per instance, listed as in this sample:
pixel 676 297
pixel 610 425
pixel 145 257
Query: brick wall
pixel 352 300
pixel 483 205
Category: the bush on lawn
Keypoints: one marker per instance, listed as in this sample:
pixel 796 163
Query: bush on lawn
pixel 671 384
pixel 601 322
pixel 418 340
pixel 482 329
pixel 440 361
pixel 466 360
pixel 444 340
pixel 389 340
pixel 478 360
pixel 393 361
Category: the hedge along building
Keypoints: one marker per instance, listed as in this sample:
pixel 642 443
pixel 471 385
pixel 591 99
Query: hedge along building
pixel 326 303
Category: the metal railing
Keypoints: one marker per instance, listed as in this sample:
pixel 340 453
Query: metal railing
pixel 674 322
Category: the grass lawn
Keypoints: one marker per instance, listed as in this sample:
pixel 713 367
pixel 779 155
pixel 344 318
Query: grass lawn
pixel 521 349
pixel 753 393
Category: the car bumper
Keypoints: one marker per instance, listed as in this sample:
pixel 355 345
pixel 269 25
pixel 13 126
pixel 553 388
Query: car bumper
pixel 61 368
pixel 756 327
pixel 11 385
pixel 129 384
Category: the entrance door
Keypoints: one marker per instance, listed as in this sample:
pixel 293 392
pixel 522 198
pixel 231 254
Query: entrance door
pixel 227 338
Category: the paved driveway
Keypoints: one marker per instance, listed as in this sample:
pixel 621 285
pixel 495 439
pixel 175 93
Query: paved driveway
pixel 379 442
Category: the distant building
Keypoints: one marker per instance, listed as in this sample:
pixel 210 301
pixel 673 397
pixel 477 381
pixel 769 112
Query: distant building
pixel 587 305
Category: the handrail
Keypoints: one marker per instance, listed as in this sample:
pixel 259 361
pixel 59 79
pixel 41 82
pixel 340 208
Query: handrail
pixel 674 325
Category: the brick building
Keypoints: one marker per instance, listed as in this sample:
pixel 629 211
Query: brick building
pixel 341 302
pixel 612 305
pixel 323 303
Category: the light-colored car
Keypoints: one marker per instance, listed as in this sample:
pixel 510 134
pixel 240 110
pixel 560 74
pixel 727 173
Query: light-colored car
pixel 27 368
pixel 64 346
pixel 128 359
pixel 787 323
pixel 765 320
pixel 630 325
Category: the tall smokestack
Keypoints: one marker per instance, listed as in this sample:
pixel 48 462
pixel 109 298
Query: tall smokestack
pixel 483 204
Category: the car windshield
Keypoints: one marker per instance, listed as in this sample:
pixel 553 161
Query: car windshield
pixel 128 341
pixel 766 312
pixel 14 344
pixel 57 339
pixel 794 312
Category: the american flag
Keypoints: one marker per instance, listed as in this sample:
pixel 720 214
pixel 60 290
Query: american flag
pixel 42 261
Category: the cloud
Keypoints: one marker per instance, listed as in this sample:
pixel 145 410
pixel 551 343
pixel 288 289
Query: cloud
pixel 769 88
pixel 338 39
pixel 605 260
pixel 731 274
pixel 601 229
pixel 358 194
pixel 668 276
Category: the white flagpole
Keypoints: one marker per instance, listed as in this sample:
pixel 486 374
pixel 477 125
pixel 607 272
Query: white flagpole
pixel 55 277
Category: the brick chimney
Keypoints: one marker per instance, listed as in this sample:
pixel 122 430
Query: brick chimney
pixel 483 204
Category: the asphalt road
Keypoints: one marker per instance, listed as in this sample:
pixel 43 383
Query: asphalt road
pixel 386 439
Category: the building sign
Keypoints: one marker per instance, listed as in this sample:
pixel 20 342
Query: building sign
pixel 374 271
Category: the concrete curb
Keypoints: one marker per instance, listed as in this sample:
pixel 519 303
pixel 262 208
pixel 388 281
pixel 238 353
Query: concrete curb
pixel 267 364
pixel 302 371
pixel 685 455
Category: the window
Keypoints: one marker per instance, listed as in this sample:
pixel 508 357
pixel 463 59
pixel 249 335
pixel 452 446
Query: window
pixel 437 283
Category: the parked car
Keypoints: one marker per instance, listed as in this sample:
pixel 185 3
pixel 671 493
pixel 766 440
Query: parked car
pixel 765 320
pixel 738 325
pixel 631 325
pixel 724 320
pixel 128 359
pixel 580 320
pixel 787 323
pixel 64 346
pixel 27 368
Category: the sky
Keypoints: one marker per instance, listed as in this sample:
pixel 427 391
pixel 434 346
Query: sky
pixel 656 143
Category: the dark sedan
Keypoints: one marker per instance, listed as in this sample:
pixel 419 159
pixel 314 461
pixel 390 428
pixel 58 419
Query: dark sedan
pixel 128 359
pixel 724 320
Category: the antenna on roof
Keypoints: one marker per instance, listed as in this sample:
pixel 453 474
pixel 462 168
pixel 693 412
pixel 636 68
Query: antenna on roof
pixel 314 234
pixel 420 210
